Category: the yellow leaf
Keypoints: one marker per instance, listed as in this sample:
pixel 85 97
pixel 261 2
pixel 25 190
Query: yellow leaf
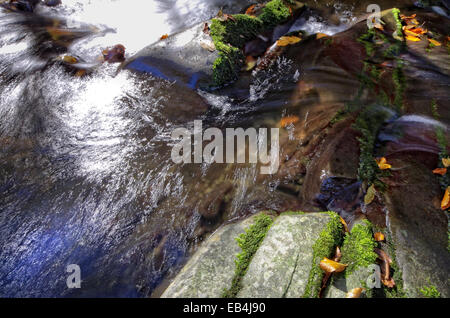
pixel 370 195
pixel 329 266
pixel 412 38
pixel 287 121
pixel 411 33
pixel 321 35
pixel 434 42
pixel 379 237
pixel 288 40
pixel 446 162
pixel 445 204
pixel 441 171
pixel 344 224
pixel 69 59
pixel 354 293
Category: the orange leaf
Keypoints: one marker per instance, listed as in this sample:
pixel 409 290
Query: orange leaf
pixel 379 237
pixel 354 293
pixel 329 266
pixel 69 59
pixel 288 40
pixel 337 255
pixel 418 30
pixel 390 283
pixel 382 164
pixel 446 162
pixel 441 171
pixel 434 42
pixel 165 36
pixel 404 17
pixel 344 224
pixel 287 121
pixel 412 38
pixel 251 10
pixel 445 204
pixel 321 35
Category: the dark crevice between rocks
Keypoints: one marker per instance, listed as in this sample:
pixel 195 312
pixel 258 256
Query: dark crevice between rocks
pixel 292 276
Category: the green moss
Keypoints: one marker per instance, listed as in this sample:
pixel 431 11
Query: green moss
pixel 249 242
pixel 430 292
pixel 367 39
pixel 230 35
pixel 398 22
pixel 434 110
pixel 397 276
pixel 275 12
pixel 330 237
pixel 368 124
pixel 292 213
pixel 357 250
pixel 399 83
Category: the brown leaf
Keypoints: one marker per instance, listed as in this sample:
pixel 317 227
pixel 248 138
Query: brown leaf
pixel 354 293
pixel 329 266
pixel 251 10
pixel 379 237
pixel 337 255
pixel 165 36
pixel 289 120
pixel 441 171
pixel 206 29
pixel 385 268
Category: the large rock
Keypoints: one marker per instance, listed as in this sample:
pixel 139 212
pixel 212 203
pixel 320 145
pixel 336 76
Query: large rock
pixel 282 265
pixel 186 57
pixel 210 271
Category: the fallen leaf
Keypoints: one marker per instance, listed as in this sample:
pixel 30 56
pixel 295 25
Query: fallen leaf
pixel 404 17
pixel 411 33
pixel 69 59
pixel 289 120
pixel 434 42
pixel 80 73
pixel 321 35
pixel 441 171
pixel 208 45
pixel 354 293
pixel 206 29
pixel 250 63
pixel 337 255
pixel 379 237
pixel 329 266
pixel 412 38
pixel 378 26
pixel 251 10
pixel 445 204
pixel 446 162
pixel 370 195
pixel 382 164
pixel 288 40
pixel 165 36
pixel 344 224
pixel 385 268
pixel 418 30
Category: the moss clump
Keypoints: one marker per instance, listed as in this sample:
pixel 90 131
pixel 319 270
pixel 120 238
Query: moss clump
pixel 430 292
pixel 357 250
pixel 292 213
pixel 368 123
pixel 398 22
pixel 274 13
pixel 330 237
pixel 230 35
pixel 249 242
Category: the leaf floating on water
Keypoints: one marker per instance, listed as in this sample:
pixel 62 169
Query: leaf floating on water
pixel 289 120
pixel 446 162
pixel 288 40
pixel 354 293
pixel 382 164
pixel 445 204
pixel 434 42
pixel 379 237
pixel 329 266
pixel 344 224
pixel 165 36
pixel 441 171
pixel 370 195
